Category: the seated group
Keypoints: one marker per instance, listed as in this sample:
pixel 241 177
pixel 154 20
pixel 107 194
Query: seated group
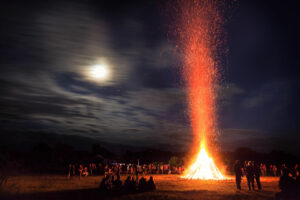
pixel 131 185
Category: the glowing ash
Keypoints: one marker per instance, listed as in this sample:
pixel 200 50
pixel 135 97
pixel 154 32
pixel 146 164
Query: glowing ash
pixel 198 30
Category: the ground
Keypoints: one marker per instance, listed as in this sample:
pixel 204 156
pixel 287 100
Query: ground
pixel 169 187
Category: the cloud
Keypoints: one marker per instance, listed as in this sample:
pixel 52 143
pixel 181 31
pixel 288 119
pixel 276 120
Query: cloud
pixel 267 93
pixel 45 86
pixel 242 132
pixel 227 94
pixel 255 101
pixel 75 106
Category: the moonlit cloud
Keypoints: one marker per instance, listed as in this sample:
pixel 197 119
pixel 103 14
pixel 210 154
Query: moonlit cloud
pixel 46 84
pixel 60 97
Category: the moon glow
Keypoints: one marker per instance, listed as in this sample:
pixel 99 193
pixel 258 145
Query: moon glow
pixel 99 72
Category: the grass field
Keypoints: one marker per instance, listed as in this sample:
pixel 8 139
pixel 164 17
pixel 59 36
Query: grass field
pixel 168 187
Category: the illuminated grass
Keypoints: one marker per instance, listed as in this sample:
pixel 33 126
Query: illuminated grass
pixel 168 187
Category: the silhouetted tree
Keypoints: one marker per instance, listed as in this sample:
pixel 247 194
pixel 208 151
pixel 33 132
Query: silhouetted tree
pixel 175 161
pixel 41 148
pixel 245 153
pixel 97 149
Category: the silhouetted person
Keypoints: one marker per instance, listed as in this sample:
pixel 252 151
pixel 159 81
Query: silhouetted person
pixel 297 182
pixel 104 184
pixel 90 169
pixel 117 184
pixel 127 184
pixel 151 184
pixel 238 174
pixel 257 174
pixel 71 171
pixel 278 173
pixel 80 170
pixel 287 185
pixel 118 172
pixel 132 185
pixel 250 175
pixel 111 181
pixel 142 185
pixel 297 169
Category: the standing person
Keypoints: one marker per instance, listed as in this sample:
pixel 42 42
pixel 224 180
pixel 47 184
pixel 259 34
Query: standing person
pixel 250 175
pixel 80 170
pixel 118 172
pixel 296 170
pixel 238 174
pixel 150 169
pixel 100 169
pixel 70 171
pixel 274 170
pixel 73 169
pixel 263 169
pixel 287 186
pixel 90 169
pixel 257 173
pixel 278 172
pixel 131 170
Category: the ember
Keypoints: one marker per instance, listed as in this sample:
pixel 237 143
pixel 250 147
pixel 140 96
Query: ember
pixel 198 31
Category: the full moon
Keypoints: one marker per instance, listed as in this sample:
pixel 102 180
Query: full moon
pixel 99 72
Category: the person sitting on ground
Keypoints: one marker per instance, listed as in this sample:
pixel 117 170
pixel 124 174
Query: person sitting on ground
pixel 110 181
pixel 127 184
pixel 142 185
pixel 132 185
pixel 151 184
pixel 117 185
pixel 104 183
pixel 85 171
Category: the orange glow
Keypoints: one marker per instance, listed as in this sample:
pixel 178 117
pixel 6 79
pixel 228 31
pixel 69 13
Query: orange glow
pixel 198 31
pixel 203 168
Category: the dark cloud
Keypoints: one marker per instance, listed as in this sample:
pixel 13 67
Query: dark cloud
pixel 259 141
pixel 48 49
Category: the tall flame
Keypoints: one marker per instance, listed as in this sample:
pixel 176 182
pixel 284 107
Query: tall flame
pixel 198 31
pixel 203 168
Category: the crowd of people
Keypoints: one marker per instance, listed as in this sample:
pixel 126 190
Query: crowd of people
pixel 289 181
pixel 264 169
pixel 111 181
pixel 91 169
pixel 132 184
pixel 252 171
pixel 289 177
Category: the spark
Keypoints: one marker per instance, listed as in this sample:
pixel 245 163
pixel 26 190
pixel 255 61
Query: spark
pixel 198 30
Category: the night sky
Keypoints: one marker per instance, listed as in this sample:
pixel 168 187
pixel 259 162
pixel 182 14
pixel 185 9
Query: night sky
pixel 48 49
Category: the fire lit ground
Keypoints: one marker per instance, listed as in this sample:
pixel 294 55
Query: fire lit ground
pixel 168 187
